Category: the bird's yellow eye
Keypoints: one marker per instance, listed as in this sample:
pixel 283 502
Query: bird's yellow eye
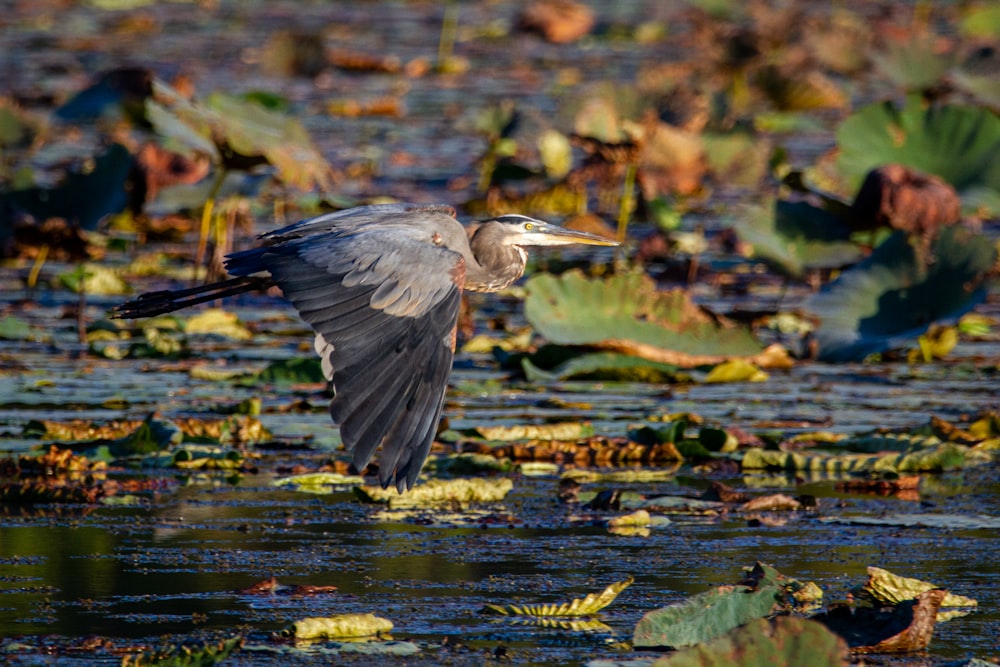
pixel 528 226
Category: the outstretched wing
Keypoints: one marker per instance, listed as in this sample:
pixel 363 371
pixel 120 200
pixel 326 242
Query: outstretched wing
pixel 381 289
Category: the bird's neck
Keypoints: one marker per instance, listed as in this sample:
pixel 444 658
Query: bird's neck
pixel 495 266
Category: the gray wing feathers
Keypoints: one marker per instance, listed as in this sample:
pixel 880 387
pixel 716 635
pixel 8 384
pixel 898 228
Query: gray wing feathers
pixel 383 297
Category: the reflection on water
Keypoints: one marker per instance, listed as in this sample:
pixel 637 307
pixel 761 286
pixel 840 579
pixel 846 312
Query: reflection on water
pixel 177 566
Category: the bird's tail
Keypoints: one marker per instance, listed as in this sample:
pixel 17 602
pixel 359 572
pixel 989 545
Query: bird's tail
pixel 167 301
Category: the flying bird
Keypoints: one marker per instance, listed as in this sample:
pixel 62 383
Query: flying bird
pixel 381 287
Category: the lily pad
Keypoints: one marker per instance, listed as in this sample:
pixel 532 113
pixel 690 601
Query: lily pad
pixel 796 237
pixel 339 627
pixel 787 641
pixel 958 143
pixel 586 606
pixel 628 314
pixel 890 299
pixel 439 491
pixel 884 587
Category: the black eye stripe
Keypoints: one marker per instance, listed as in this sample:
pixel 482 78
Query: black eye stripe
pixel 514 219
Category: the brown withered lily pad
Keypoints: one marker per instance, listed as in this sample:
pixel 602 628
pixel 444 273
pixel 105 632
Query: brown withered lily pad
pixel 903 628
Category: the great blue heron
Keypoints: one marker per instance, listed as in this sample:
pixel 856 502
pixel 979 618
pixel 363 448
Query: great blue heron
pixel 381 286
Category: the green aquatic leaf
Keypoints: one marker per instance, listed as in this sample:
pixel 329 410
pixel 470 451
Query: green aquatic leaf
pixel 928 520
pixel 961 144
pixel 185 655
pixel 95 279
pixel 786 641
pixel 703 617
pixel 796 237
pixel 13 327
pixel 735 370
pixel 887 301
pixel 586 606
pixel 341 626
pixel 626 313
pixel 604 366
pixel 300 370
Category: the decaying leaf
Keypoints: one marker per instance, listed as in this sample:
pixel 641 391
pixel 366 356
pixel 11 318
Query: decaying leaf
pixel 591 604
pixel 596 451
pixel 342 626
pixel 903 628
pixel 475 490
pixel 903 198
pixel 771 503
pixel 318 482
pixel 559 21
pixel 563 431
pixel 947 456
pixel 884 587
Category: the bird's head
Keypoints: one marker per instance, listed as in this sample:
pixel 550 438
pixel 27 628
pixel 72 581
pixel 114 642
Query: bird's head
pixel 521 231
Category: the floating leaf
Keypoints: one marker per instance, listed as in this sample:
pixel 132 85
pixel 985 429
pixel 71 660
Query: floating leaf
pixel 705 616
pixel 185 655
pixel 904 628
pixel 796 237
pixel 736 370
pixel 339 627
pixel 604 366
pixel 84 197
pixel 884 587
pixel 217 322
pixel 95 279
pixel 292 371
pixel 929 520
pixel 318 482
pixel 436 491
pixel 947 456
pixel 626 312
pixel 562 431
pixel 892 297
pixel 787 641
pixel 586 606
pixel 13 327
pixel 958 143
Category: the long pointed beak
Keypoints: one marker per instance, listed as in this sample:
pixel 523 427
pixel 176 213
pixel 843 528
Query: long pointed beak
pixel 545 234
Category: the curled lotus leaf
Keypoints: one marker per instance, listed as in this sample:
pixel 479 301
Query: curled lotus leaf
pixel 947 456
pixel 586 606
pixel 342 626
pixel 885 587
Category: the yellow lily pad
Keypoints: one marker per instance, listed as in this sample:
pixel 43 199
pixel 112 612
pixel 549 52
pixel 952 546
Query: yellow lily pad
pixel 439 491
pixel 342 626
pixel 586 606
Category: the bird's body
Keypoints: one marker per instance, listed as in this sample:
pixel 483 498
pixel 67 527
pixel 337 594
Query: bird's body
pixel 381 287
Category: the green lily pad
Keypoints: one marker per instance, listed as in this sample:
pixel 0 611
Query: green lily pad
pixel 84 197
pixel 958 143
pixel 787 641
pixel 627 313
pixel 705 616
pixel 891 298
pixel 796 237
pixel 13 327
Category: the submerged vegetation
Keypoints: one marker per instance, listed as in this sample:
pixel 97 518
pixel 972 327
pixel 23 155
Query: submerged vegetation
pixel 792 361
